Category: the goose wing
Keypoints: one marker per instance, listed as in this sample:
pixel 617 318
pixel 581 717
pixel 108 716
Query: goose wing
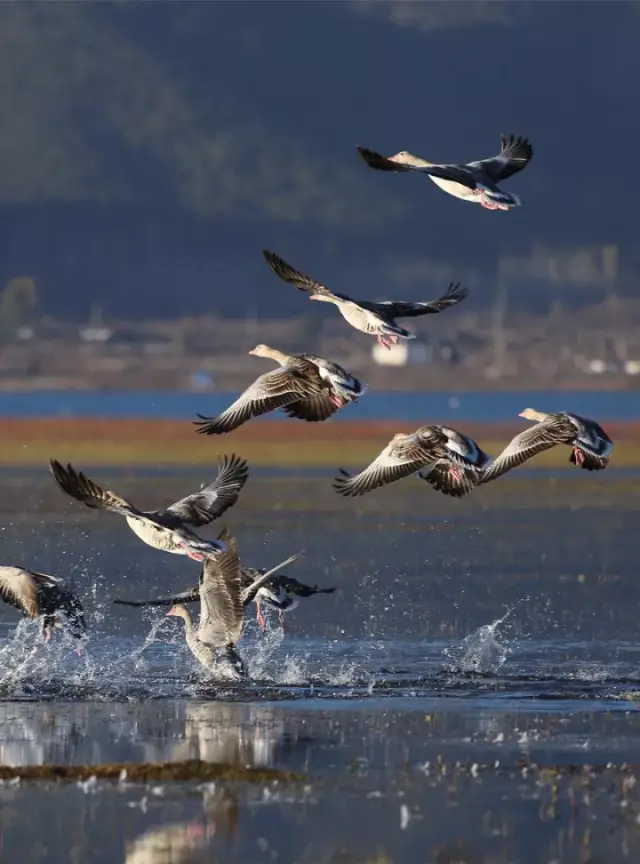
pixel 265 576
pixel 398 459
pixel 221 606
pixel 401 309
pixel 293 586
pixel 454 173
pixel 19 588
pixel 83 489
pixel 297 380
pixel 382 163
pixel 543 436
pixel 191 596
pixel 210 503
pixel 515 154
pixel 303 283
pixel 457 483
pixel 313 409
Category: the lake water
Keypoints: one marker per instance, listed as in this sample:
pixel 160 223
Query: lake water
pixel 468 694
pixel 498 406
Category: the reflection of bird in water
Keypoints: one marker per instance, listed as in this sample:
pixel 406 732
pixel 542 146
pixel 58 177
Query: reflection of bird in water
pixel 230 734
pixel 167 530
pixel 222 604
pixel 170 844
pixel 37 595
pixel 279 592
pixel 182 843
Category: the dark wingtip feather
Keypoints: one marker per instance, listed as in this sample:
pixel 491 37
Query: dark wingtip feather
pixel 207 425
pixel 234 462
pixel 342 485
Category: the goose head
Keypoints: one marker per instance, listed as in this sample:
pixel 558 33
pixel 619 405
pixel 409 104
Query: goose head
pixel 272 353
pixel 531 414
pixel 406 158
pixel 180 611
pixel 261 351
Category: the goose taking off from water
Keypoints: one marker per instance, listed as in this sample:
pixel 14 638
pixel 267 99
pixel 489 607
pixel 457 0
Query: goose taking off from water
pixel 592 447
pixel 222 603
pixel 306 386
pixel 168 529
pixel 37 595
pixel 280 592
pixel 473 181
pixel 457 461
pixel 375 318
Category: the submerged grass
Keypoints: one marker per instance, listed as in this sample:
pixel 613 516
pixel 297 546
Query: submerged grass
pixel 190 770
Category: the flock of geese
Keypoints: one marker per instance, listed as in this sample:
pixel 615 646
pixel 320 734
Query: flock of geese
pixel 308 387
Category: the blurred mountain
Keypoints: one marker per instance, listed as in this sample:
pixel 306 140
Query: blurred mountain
pixel 150 151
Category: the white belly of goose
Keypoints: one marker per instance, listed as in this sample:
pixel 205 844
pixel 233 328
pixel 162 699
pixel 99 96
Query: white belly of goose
pixel 456 189
pixel 158 538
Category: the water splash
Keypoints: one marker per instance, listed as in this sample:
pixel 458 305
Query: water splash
pixel 480 651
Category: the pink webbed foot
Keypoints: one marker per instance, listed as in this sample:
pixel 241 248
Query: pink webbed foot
pixel 336 400
pixel 262 624
pixel 579 455
pixel 456 473
pixel 384 342
pixel 281 618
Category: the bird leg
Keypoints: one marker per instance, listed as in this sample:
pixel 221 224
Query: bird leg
pixel 336 400
pixel 577 452
pixel 384 342
pixel 262 624
pixel 47 634
pixel 489 205
pixel 195 556
pixel 281 617
pixel 456 473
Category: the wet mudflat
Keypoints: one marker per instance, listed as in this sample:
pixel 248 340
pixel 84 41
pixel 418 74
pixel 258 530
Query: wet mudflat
pixel 468 694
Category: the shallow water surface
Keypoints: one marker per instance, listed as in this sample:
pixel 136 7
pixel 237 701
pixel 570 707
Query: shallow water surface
pixel 440 706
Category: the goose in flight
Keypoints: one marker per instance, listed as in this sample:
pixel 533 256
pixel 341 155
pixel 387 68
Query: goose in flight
pixel 37 595
pixel 222 604
pixel 280 592
pixel 375 318
pixel 462 469
pixel 591 446
pixel 167 530
pixel 299 384
pixel 457 461
pixel 473 181
pixel 338 388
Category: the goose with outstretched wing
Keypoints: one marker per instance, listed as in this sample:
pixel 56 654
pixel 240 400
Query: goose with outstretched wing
pixel 472 181
pixel 591 446
pixel 454 458
pixel 223 599
pixel 38 595
pixel 167 530
pixel 280 592
pixel 374 318
pixel 297 382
